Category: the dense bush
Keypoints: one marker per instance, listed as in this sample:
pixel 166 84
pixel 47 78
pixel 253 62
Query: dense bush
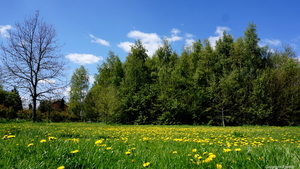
pixel 56 116
pixel 7 112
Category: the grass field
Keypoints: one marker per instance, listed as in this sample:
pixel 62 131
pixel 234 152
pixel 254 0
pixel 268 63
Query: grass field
pixel 94 145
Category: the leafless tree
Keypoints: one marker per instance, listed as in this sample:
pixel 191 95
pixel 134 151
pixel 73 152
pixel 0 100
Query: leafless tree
pixel 31 59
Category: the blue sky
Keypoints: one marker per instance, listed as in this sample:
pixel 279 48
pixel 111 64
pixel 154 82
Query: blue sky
pixel 90 29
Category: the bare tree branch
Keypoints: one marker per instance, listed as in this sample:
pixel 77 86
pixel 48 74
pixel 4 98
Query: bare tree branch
pixel 32 60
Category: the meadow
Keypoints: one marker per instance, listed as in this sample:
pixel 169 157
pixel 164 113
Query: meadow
pixel 96 145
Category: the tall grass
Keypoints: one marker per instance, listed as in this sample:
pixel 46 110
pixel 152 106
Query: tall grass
pixel 92 145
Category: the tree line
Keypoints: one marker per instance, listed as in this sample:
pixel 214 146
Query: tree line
pixel 236 82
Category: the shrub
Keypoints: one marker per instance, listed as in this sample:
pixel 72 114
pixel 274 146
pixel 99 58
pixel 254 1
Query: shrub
pixel 25 114
pixel 56 116
pixel 7 112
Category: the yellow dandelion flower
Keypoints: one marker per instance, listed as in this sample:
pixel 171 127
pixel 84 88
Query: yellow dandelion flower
pixel 146 164
pixel 207 160
pixel 75 151
pixel 132 161
pixel 11 136
pixel 211 155
pixel 226 149
pixel 98 141
pixel 52 138
pixel 189 155
pixel 31 144
pixel 43 141
pixel 4 137
pixel 175 152
pixel 219 166
pixel 108 148
pixel 75 140
pixel 237 149
pixel 127 152
pixel 194 150
pixel 61 167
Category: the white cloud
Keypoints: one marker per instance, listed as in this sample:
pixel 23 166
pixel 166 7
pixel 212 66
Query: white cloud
pixel 91 79
pixel 126 46
pixel 83 58
pixel 48 81
pixel 174 36
pixel 144 37
pixel 67 91
pixel 188 35
pixel 189 42
pixel 99 41
pixel 151 41
pixel 274 42
pixel 175 31
pixel 219 32
pixel 4 30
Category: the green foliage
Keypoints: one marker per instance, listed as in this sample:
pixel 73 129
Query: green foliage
pixel 59 116
pixel 45 106
pixel 7 112
pixel 79 90
pixel 25 114
pixel 10 104
pixel 236 82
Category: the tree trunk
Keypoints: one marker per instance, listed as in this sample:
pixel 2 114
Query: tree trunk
pixel 34 116
pixel 223 121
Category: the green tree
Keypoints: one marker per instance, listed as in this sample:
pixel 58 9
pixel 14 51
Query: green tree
pixel 104 94
pixel 137 76
pixel 78 92
pixel 45 106
pixel 18 105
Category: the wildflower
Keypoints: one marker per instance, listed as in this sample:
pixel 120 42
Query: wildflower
pixel 226 150
pixel 52 138
pixel 75 151
pixel 237 149
pixel 31 144
pixel 108 148
pixel 4 137
pixel 75 140
pixel 212 156
pixel 98 141
pixel 43 141
pixel 175 152
pixel 146 164
pixel 219 166
pixel 61 167
pixel 189 154
pixel 132 161
pixel 127 152
pixel 194 150
pixel 11 136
